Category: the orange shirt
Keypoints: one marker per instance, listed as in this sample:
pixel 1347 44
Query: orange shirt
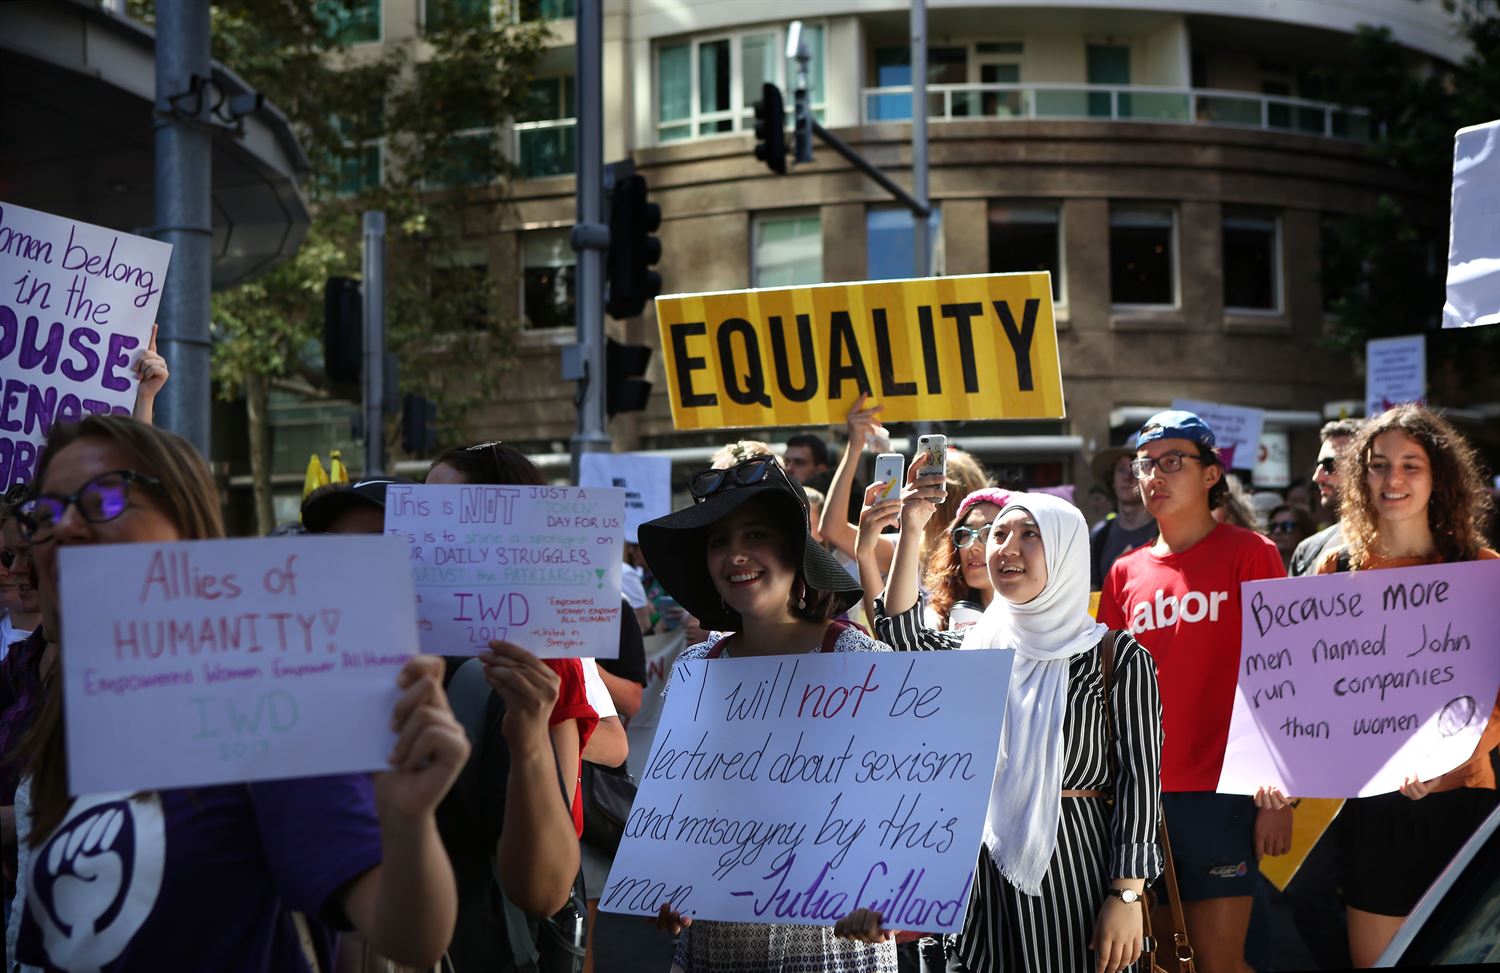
pixel 1477 770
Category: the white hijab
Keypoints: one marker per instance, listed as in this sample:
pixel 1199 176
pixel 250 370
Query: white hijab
pixel 1020 826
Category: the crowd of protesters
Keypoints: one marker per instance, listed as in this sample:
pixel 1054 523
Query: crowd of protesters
pixel 473 851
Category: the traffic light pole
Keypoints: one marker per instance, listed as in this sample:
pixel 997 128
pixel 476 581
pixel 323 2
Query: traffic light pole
pixel 374 350
pixel 920 243
pixel 590 236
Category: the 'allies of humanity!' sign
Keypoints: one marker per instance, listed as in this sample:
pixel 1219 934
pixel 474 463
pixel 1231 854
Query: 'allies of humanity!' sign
pixel 211 662
pixel 77 302
pixel 537 566
pixel 796 789
pixel 977 347
pixel 1351 682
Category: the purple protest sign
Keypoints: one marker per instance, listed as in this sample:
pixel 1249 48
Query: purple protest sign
pixel 1351 682
pixel 77 302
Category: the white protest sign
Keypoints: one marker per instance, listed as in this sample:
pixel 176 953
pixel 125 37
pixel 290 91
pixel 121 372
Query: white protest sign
pixel 795 789
pixel 1236 430
pixel 646 479
pixel 661 652
pixel 1351 682
pixel 76 310
pixel 1395 372
pixel 211 662
pixel 1273 464
pixel 1474 240
pixel 537 566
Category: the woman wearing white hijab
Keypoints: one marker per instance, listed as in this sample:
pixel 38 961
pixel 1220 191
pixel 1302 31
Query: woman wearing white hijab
pixel 1062 869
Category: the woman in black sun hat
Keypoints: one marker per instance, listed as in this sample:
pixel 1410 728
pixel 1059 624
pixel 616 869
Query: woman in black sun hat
pixel 742 560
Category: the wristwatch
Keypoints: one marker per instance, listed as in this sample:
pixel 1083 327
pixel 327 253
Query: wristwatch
pixel 1125 895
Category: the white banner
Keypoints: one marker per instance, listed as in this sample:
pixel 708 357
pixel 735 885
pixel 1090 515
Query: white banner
pixel 76 309
pixel 1474 241
pixel 1236 430
pixel 1395 372
pixel 211 662
pixel 795 789
pixel 537 566
pixel 646 479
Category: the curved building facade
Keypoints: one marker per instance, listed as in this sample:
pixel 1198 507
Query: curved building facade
pixel 1172 163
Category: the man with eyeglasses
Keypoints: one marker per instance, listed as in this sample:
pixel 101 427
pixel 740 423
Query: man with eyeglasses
pixel 1336 437
pixel 1180 598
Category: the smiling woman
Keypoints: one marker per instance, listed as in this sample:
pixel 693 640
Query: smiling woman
pixel 743 561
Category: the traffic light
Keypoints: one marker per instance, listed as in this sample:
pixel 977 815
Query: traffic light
pixel 632 249
pixel 802 127
pixel 418 424
pixel 770 129
pixel 343 331
pixel 624 388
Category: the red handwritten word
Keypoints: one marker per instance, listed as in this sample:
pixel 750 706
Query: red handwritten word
pixel 824 706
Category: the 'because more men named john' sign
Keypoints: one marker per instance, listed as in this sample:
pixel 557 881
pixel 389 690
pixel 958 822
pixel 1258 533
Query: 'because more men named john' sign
pixel 977 347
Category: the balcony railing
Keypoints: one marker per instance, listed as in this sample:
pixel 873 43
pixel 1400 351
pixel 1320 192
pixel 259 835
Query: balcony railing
pixel 544 148
pixel 1140 103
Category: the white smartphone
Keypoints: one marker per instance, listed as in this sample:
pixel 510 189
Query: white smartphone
pixel 932 455
pixel 890 469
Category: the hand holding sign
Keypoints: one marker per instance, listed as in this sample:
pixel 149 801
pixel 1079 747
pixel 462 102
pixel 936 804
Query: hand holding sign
pixel 431 747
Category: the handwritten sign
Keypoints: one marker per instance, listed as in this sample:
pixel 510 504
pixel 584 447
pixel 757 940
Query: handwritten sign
pixel 1351 682
pixel 76 306
pixel 794 789
pixel 1474 241
pixel 646 479
pixel 1395 372
pixel 1236 430
pixel 209 662
pixel 537 566
pixel 979 347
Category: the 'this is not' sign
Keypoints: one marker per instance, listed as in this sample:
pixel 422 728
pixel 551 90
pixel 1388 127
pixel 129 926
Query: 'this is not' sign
pixel 976 347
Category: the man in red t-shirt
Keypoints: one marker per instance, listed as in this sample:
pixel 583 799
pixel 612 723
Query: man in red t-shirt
pixel 1180 598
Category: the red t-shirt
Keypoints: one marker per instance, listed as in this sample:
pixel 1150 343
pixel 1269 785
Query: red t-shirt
pixel 1185 609
pixel 573 704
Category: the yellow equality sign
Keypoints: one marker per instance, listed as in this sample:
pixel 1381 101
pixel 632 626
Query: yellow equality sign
pixel 976 347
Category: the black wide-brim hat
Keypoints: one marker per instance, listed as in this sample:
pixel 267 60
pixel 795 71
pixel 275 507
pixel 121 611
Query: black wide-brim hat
pixel 676 550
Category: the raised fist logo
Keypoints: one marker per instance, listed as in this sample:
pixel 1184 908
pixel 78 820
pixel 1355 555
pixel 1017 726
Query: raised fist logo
pixel 95 882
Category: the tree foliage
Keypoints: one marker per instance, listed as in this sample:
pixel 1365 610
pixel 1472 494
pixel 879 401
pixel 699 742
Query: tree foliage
pixel 1385 269
pixel 463 75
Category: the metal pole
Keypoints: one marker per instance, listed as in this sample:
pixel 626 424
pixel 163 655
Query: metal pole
pixel 592 435
pixel 184 215
pixel 374 363
pixel 921 259
pixel 862 164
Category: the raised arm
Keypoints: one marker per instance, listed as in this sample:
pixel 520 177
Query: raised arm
pixel 153 373
pixel 406 906
pixel 538 847
pixel 873 518
pixel 918 503
pixel 835 527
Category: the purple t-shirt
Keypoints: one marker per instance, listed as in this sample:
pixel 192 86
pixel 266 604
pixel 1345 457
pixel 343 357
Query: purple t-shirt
pixel 201 879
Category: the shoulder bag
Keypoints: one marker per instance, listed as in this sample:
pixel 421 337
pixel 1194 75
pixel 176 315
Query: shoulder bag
pixel 1180 957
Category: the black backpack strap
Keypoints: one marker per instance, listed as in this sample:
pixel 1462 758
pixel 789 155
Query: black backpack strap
pixel 1342 563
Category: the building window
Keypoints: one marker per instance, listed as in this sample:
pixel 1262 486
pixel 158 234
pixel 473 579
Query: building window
pixel 455 14
pixel 1143 256
pixel 546 9
pixel 1027 238
pixel 788 250
pixel 945 65
pixel 889 242
pixel 350 21
pixel 356 166
pixel 1252 261
pixel 709 86
pixel 460 289
pixel 545 131
pixel 549 269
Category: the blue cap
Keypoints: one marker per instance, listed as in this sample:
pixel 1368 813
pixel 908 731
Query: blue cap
pixel 1176 424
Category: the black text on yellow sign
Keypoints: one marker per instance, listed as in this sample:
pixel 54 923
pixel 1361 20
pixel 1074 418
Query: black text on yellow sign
pixel 978 347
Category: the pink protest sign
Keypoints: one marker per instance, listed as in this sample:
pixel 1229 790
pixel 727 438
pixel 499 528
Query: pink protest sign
pixel 75 315
pixel 1351 682
pixel 211 662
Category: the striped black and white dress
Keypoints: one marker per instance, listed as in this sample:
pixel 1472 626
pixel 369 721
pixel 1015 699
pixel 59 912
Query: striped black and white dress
pixel 1096 841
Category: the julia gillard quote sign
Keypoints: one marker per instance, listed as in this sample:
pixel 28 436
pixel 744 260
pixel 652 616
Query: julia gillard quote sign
pixel 795 789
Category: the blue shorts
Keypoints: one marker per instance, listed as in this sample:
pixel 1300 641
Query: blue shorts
pixel 1213 843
